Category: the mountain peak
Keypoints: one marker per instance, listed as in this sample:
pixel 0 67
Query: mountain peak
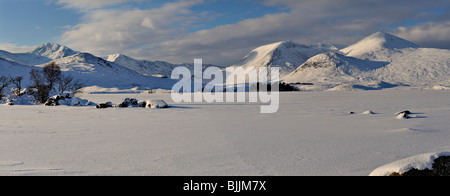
pixel 53 51
pixel 375 42
pixel 117 57
pixel 287 55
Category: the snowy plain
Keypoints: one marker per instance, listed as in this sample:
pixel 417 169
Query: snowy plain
pixel 313 134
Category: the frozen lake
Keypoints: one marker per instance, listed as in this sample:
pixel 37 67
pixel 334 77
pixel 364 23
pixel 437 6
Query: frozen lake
pixel 313 133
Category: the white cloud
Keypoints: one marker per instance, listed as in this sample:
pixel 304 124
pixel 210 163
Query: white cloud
pixel 431 34
pixel 91 4
pixel 148 23
pixel 309 21
pixel 117 31
pixel 161 33
pixel 14 48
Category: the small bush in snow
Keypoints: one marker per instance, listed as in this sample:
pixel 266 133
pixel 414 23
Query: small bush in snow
pixel 17 82
pixel 4 82
pixel 268 87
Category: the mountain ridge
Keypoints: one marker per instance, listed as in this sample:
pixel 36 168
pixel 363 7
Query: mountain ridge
pixel 287 55
pixel 379 58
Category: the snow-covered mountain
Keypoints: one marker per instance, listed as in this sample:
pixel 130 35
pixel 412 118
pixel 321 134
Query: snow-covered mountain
pixel 53 51
pixel 42 54
pixel 378 61
pixel 377 43
pixel 333 68
pixel 91 70
pixel 381 58
pixel 143 67
pixel 287 55
pixel 150 68
pixel 95 71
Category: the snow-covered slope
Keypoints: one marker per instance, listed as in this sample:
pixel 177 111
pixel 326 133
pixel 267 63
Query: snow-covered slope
pixel 379 42
pixel 287 55
pixel 333 68
pixel 9 68
pixel 24 58
pixel 416 67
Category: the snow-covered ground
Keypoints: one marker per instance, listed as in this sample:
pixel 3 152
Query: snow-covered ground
pixel 312 134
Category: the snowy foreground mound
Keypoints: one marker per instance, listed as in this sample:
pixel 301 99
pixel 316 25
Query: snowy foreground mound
pixel 431 164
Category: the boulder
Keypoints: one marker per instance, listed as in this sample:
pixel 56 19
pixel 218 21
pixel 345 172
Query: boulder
pixel 156 104
pixel 441 167
pixel 52 101
pixel 403 115
pixel 104 105
pixel 129 102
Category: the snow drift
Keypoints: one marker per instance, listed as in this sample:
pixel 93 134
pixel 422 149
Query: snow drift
pixel 418 162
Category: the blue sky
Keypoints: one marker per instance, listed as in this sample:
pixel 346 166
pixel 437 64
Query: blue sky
pixel 219 31
pixel 34 22
pixel 30 22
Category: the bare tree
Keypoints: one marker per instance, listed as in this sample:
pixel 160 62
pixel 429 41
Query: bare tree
pixel 52 74
pixel 17 82
pixel 64 83
pixel 37 78
pixel 41 89
pixel 42 93
pixel 76 87
pixel 4 82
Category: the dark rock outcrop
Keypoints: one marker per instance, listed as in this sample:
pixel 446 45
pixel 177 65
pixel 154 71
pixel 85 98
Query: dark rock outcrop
pixel 129 102
pixel 104 105
pixel 441 167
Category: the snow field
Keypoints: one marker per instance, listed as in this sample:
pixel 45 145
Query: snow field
pixel 312 134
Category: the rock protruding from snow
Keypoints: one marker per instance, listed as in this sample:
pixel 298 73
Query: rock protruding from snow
pixel 403 115
pixel 376 42
pixel 134 103
pixel 22 100
pixel 104 105
pixel 129 102
pixel 155 104
pixel 67 100
pixel 431 164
